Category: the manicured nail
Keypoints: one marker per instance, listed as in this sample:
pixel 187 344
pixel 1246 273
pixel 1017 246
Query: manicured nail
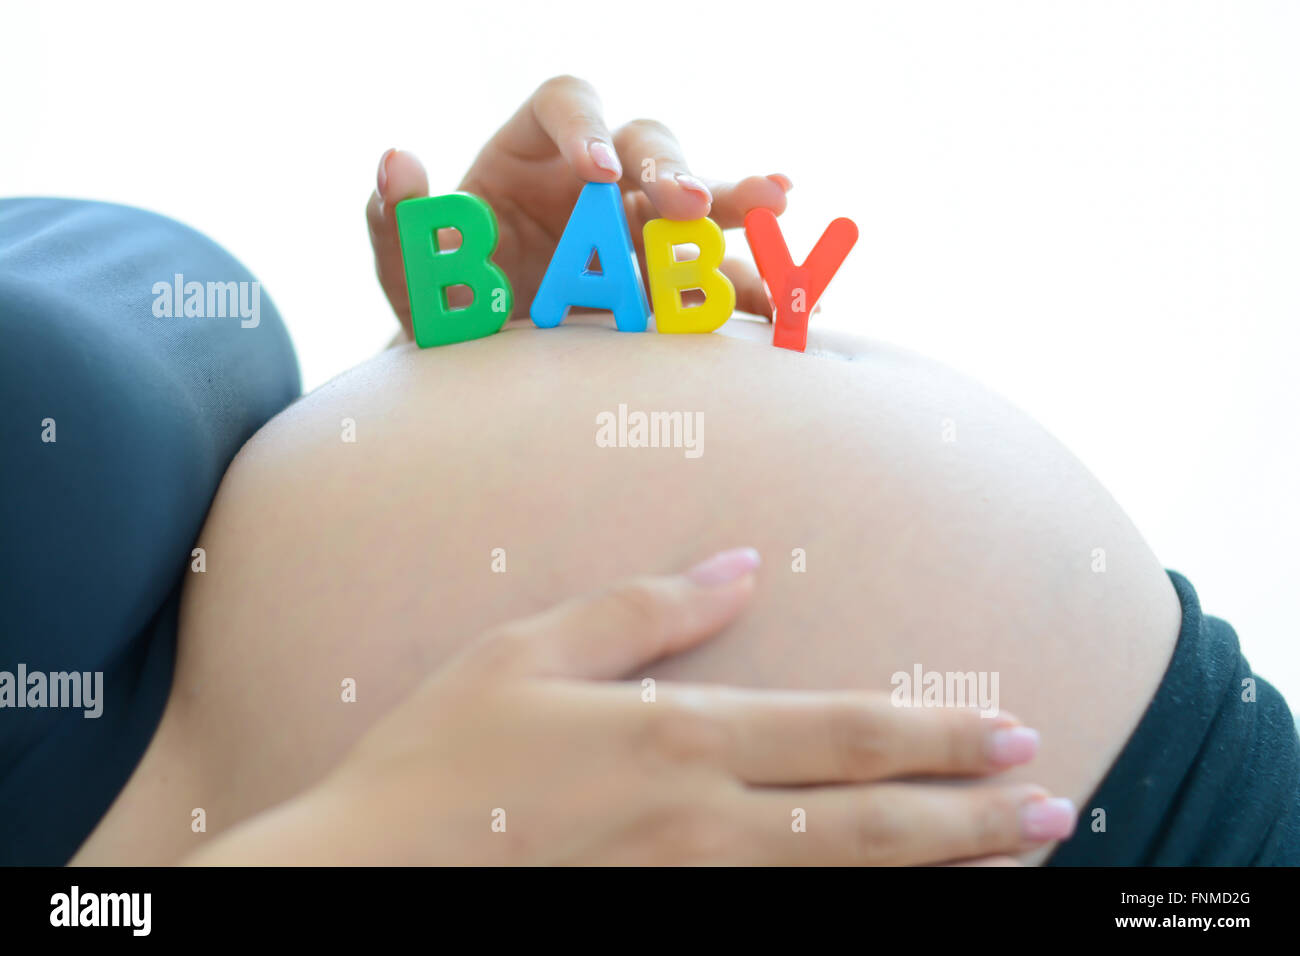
pixel 1010 746
pixel 603 155
pixel 383 171
pixel 725 567
pixel 782 180
pixel 1050 818
pixel 690 183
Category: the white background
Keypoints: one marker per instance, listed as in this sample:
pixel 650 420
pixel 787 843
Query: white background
pixel 1092 206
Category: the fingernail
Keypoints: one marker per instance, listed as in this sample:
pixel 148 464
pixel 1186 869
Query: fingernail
pixel 725 567
pixel 603 155
pixel 782 180
pixel 1050 818
pixel 694 185
pixel 383 171
pixel 1010 746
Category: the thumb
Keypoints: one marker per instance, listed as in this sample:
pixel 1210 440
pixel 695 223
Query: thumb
pixel 607 634
pixel 400 177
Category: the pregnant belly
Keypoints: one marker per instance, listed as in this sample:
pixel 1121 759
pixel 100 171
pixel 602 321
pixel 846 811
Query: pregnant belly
pixel 910 522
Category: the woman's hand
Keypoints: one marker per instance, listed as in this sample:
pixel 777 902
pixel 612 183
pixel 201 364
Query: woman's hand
pixel 531 172
pixel 521 751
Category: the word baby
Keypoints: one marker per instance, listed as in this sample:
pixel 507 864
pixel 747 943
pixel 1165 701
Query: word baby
pixel 597 230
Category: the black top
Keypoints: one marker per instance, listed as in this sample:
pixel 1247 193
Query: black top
pixel 1211 775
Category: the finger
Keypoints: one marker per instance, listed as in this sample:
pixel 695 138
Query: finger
pixel 607 634
pixel 564 115
pixel 896 824
pixel 798 737
pixel 400 177
pixel 751 294
pixel 731 201
pixel 655 164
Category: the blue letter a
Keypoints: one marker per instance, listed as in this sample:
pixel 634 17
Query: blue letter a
pixel 597 224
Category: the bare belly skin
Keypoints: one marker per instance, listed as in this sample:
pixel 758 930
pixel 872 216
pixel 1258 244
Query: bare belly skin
pixel 373 560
